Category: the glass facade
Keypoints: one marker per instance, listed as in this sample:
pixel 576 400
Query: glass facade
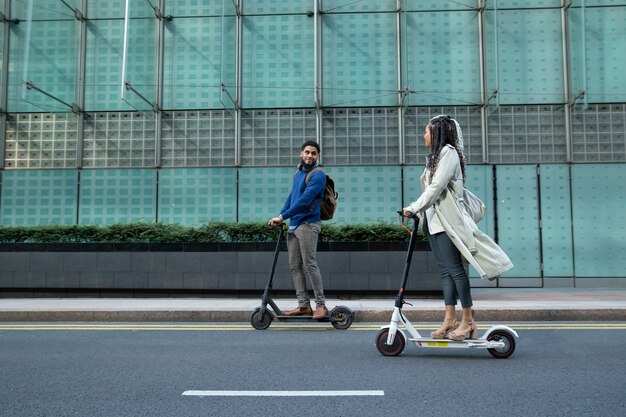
pixel 184 111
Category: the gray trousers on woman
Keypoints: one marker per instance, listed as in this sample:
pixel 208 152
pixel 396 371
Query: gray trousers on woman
pixel 453 274
pixel 302 247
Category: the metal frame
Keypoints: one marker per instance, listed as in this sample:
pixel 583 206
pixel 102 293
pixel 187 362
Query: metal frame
pixel 401 43
pixel 4 86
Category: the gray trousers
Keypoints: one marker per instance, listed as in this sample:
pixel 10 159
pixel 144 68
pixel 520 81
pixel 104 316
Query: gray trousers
pixel 454 279
pixel 302 248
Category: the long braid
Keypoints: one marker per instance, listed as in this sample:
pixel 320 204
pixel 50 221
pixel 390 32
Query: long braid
pixel 443 131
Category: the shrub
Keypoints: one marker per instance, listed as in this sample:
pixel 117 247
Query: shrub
pixel 174 233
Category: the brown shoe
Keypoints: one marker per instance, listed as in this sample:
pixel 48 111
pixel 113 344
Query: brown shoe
pixel 299 311
pixel 320 313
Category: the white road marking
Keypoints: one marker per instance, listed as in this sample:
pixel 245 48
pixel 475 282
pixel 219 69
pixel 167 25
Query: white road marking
pixel 283 393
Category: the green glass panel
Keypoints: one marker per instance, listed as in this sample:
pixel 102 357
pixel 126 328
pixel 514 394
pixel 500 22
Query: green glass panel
pixel 117 196
pixel 141 51
pixel 193 68
pixel 359 60
pixel 348 6
pixel 263 191
pixel 279 7
pixel 44 54
pixel 577 53
pixel 479 180
pixel 39 197
pixel 522 4
pixel 3 53
pixel 556 220
pixel 194 196
pixel 518 218
pixel 367 194
pixel 44 9
pixel 598 40
pixel 104 66
pixel 228 56
pixel 443 58
pixel 421 5
pixel 195 8
pixel 524 56
pixel 598 207
pixel 592 3
pixel 278 61
pixel 110 9
pixel 411 185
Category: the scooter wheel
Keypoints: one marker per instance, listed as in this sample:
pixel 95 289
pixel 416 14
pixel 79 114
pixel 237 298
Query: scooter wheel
pixel 393 349
pixel 509 344
pixel 258 322
pixel 341 317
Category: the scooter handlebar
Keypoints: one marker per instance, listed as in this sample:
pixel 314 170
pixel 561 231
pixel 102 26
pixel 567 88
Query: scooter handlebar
pixel 411 214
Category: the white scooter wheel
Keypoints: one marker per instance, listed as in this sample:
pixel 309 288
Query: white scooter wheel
pixel 395 348
pixel 509 344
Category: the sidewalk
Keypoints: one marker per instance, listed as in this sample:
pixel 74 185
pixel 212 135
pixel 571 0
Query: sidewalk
pixel 492 304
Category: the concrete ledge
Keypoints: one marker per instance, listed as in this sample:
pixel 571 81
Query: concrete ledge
pixel 239 316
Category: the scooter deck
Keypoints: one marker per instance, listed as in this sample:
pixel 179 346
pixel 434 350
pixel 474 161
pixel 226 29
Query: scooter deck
pixel 302 318
pixel 467 343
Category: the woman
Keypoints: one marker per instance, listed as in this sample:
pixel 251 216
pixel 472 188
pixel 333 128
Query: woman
pixel 452 233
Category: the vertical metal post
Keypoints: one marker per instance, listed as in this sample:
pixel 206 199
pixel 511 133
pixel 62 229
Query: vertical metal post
pixel 401 87
pixel 238 77
pixel 80 93
pixel 4 87
pixel 483 79
pixel 158 93
pixel 317 72
pixel 124 52
pixel 565 4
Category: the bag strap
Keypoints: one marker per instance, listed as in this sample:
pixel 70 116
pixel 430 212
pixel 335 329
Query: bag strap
pixel 306 183
pixel 306 180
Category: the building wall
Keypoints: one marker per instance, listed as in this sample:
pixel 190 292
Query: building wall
pixel 188 113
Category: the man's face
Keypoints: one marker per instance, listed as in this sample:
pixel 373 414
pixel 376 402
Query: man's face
pixel 309 155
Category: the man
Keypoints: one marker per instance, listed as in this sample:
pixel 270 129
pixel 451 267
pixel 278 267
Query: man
pixel 303 212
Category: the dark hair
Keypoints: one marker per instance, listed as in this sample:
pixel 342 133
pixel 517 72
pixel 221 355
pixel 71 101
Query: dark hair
pixel 443 132
pixel 311 143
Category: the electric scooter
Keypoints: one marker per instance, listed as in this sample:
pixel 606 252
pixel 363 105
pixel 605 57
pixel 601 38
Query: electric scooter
pixel 390 341
pixel 340 317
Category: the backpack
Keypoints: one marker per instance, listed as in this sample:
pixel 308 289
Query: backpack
pixel 329 204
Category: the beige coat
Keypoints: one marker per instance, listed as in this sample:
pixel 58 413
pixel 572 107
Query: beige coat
pixel 440 202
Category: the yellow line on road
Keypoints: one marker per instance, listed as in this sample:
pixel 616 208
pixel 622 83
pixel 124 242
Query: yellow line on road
pixel 280 327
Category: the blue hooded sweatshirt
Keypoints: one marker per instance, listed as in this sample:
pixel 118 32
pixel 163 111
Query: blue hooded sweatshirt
pixel 301 205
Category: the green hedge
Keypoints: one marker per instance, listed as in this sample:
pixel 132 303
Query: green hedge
pixel 210 232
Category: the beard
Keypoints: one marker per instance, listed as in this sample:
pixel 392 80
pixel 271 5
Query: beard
pixel 305 165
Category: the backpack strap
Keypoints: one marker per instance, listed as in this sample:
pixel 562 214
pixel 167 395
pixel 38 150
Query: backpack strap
pixel 308 176
pixel 306 183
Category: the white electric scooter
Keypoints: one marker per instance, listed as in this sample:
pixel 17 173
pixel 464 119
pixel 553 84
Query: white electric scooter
pixel 390 341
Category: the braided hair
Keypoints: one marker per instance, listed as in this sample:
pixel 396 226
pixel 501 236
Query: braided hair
pixel 443 131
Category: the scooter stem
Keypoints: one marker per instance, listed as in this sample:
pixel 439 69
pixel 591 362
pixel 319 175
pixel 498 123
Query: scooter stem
pixel 407 265
pixel 280 238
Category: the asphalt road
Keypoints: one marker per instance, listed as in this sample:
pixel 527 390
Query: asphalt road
pixel 118 370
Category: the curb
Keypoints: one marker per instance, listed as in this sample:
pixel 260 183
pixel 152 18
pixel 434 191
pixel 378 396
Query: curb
pixel 238 316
